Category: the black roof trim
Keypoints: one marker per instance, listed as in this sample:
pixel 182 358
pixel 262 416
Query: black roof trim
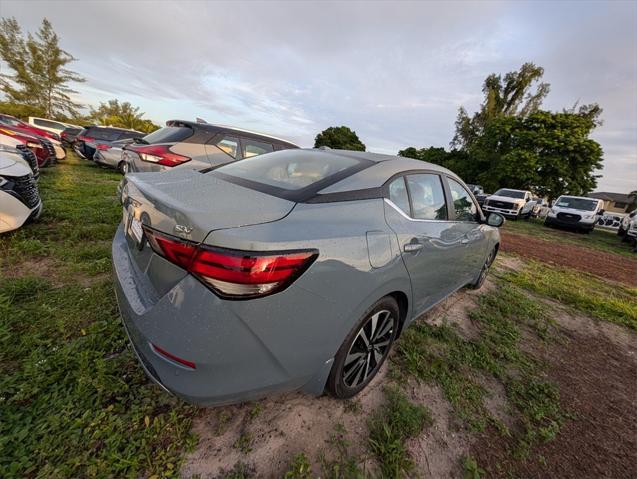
pixel 352 195
pixel 228 129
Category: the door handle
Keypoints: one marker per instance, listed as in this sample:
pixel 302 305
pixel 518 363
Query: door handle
pixel 412 247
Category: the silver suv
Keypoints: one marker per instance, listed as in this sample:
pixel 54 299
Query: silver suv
pixel 197 146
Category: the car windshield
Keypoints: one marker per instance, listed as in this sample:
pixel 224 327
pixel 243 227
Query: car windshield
pixel 576 203
pixel 510 193
pixel 287 169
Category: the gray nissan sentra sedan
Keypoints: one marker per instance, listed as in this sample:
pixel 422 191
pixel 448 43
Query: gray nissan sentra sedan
pixel 292 270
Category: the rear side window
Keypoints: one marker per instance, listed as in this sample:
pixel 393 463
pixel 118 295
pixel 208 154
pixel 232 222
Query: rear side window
pixel 398 194
pixel 229 145
pixel 48 124
pixel 427 197
pixel 130 134
pixel 463 205
pixel 106 134
pixel 254 148
pixel 169 134
pixel 287 170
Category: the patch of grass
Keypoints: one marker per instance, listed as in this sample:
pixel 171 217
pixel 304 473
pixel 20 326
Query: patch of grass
pixel 244 442
pixel 615 303
pixel 256 410
pixel 344 465
pixel 471 470
pixel 391 427
pixel 599 238
pixel 74 401
pixel 438 354
pixel 300 468
pixel 353 406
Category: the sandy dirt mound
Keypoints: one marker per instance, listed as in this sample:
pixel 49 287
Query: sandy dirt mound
pixel 600 263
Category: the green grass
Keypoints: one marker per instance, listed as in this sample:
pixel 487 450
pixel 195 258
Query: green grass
pixel 391 427
pixel 438 354
pixel 599 238
pixel 73 400
pixel 583 292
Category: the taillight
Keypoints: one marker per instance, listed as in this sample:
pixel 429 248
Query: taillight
pixel 161 155
pixel 84 138
pixel 231 273
pixel 102 147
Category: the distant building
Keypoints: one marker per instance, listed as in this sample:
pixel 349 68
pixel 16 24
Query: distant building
pixel 613 202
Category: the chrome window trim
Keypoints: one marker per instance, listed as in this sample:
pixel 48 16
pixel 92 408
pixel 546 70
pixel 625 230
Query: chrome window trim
pixel 402 213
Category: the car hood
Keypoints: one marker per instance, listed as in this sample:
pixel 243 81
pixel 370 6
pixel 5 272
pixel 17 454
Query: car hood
pixel 191 204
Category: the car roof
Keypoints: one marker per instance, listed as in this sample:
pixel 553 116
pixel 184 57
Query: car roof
pixel 112 128
pixel 218 128
pixel 376 175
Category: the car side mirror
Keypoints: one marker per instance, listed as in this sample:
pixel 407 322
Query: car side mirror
pixel 601 212
pixel 495 219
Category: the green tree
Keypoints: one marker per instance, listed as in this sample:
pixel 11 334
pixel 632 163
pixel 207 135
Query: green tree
pixel 432 154
pixel 549 153
pixel 339 138
pixel 39 77
pixel 123 115
pixel 632 196
pixel 508 96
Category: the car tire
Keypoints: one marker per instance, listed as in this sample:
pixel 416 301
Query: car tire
pixel 122 167
pixel 484 271
pixel 368 344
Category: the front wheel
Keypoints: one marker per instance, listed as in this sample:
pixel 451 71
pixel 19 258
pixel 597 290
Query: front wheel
pixel 364 350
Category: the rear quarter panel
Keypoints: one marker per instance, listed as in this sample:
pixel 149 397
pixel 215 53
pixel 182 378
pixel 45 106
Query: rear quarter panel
pixel 316 313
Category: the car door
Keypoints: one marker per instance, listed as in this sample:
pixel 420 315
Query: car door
pixel 474 240
pixel 430 241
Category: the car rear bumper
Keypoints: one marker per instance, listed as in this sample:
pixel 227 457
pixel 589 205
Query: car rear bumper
pixel 579 225
pixel 232 362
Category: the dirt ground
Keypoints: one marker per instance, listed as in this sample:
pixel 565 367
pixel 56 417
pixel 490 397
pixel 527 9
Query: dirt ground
pixel 596 373
pixel 600 263
pixel 595 369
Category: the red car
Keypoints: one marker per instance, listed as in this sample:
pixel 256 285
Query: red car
pixel 41 147
pixel 14 122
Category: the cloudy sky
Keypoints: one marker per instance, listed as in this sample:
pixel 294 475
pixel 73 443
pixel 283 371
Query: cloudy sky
pixel 394 72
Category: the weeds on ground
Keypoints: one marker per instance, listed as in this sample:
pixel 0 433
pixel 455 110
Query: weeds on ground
pixel 611 302
pixel 300 468
pixel 398 421
pixel 438 354
pixel 241 470
pixel 344 465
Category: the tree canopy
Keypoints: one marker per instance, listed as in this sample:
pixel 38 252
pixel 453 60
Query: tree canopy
pixel 123 115
pixel 340 138
pixel 511 142
pixel 39 78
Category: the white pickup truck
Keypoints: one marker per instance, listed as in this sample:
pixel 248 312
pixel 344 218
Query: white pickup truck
pixel 575 212
pixel 511 203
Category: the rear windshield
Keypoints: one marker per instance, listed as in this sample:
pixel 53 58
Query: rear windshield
pixel 510 193
pixel 576 203
pixel 169 134
pixel 130 134
pixel 295 175
pixel 106 134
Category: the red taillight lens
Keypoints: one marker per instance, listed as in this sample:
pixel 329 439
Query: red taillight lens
pixel 161 155
pixel 231 273
pixel 103 147
pixel 84 138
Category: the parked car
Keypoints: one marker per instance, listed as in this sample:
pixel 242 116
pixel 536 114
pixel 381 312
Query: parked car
pixel 631 233
pixel 625 223
pixel 11 144
pixel 52 126
pixel 68 136
pixel 197 146
pixel 293 270
pixel 575 212
pixel 86 141
pixel 40 146
pixel 19 196
pixel 540 208
pixel 476 189
pixel 110 154
pixel 510 203
pixel 53 138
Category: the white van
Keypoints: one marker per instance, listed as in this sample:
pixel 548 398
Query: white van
pixel 575 212
pixel 50 125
